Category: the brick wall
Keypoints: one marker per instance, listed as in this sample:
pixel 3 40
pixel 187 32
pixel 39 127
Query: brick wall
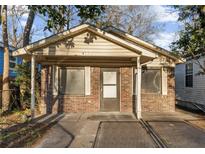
pixel 65 103
pixel 46 90
pixel 126 89
pixel 158 102
pixel 150 102
pixel 89 103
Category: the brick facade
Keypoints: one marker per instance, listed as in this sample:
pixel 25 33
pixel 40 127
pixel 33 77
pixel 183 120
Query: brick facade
pixel 158 102
pixel 91 103
pixel 126 91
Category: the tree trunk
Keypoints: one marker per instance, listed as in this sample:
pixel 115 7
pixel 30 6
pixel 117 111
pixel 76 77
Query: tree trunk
pixel 0 14
pixel 5 89
pixel 14 29
pixel 27 29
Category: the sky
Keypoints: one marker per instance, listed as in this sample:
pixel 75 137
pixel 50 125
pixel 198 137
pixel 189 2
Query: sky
pixel 166 18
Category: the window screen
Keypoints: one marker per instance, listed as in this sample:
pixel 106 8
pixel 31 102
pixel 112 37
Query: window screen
pixel 189 75
pixel 72 81
pixel 151 81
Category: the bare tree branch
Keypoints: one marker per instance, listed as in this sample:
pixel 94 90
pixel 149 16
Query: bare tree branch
pixel 135 20
pixel 27 29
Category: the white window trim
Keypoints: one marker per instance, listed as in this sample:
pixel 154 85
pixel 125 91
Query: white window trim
pixel 87 81
pixel 164 81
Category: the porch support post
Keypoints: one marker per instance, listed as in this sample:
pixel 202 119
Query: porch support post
pixel 138 89
pixel 32 86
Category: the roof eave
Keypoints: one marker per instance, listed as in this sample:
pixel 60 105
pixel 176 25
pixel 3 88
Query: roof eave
pixel 143 43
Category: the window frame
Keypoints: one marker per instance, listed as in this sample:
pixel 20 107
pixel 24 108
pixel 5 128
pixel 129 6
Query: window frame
pixel 189 74
pixel 12 61
pixel 59 81
pixel 158 69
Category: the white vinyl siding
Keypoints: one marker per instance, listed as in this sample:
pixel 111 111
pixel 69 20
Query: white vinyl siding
pixel 86 44
pixel 195 94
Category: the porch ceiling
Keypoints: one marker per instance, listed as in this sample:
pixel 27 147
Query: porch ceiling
pixel 92 61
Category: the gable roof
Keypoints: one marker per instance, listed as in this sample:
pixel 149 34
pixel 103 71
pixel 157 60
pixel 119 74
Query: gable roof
pixel 124 39
pixel 140 42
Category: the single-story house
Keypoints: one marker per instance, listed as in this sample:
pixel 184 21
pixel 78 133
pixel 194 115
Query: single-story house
pixel 13 61
pixel 190 83
pixel 87 69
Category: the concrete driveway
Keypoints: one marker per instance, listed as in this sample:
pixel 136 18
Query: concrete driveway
pixel 122 130
pixel 178 134
pixel 78 130
pixel 124 134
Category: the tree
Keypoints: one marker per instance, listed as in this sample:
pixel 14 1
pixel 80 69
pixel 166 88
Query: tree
pixel 16 14
pixel 5 88
pixel 135 20
pixel 28 26
pixel 191 40
pixel 56 18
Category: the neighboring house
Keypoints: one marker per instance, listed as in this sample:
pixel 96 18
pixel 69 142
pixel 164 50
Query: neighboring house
pixel 190 85
pixel 12 61
pixel 86 69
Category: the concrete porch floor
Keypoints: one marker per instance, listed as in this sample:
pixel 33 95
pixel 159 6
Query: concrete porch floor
pixel 114 129
pixel 79 130
pixel 178 115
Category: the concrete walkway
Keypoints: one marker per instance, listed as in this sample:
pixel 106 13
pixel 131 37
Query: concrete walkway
pixel 180 129
pixel 122 130
pixel 78 130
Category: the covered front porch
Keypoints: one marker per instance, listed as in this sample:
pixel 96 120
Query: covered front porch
pixel 53 100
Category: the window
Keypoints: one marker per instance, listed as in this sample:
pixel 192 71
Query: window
pixel 72 81
pixel 12 61
pixel 12 58
pixel 189 75
pixel 151 81
pixel 12 64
